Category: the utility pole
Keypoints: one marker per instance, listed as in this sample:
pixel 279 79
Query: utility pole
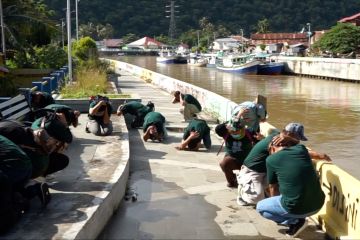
pixel 68 23
pixel 62 33
pixel 2 30
pixel 309 34
pixel 77 19
pixel 242 40
pixel 170 9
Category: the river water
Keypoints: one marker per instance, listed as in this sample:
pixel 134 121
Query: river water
pixel 329 110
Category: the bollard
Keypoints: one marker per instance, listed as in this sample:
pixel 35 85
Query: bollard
pixel 38 85
pixel 46 84
pixel 58 80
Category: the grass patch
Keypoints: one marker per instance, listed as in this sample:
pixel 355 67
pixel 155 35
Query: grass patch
pixel 88 82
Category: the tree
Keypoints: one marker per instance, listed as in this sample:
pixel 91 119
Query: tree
pixel 106 31
pixel 85 49
pixel 263 26
pixel 343 38
pixel 130 37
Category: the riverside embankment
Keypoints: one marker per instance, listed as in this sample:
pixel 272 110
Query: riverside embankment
pixel 339 214
pixel 326 68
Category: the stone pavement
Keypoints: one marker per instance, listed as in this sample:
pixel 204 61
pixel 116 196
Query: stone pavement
pixel 181 194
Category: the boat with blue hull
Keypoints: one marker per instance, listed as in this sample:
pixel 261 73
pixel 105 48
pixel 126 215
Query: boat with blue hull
pixel 242 64
pixel 268 66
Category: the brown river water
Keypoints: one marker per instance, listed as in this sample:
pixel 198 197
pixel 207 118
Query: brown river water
pixel 329 110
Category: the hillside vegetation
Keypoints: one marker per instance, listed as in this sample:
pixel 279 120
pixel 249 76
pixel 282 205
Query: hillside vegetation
pixel 147 17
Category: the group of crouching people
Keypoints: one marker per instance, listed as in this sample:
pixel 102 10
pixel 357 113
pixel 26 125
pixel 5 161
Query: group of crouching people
pixel 30 151
pixel 276 172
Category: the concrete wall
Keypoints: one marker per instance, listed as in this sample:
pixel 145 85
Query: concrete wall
pixel 340 215
pixel 212 103
pixel 347 69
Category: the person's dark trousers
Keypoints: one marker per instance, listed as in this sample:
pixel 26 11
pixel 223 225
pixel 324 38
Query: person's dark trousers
pixel 228 164
pixel 12 204
pixel 57 162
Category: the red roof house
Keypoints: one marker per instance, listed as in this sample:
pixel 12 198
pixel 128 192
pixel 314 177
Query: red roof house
pixel 354 19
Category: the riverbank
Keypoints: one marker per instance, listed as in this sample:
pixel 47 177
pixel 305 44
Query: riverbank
pixel 334 215
pixel 323 68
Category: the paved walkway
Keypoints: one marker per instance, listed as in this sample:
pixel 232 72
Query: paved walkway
pixel 181 194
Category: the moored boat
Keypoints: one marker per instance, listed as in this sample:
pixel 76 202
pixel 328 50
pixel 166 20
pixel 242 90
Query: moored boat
pixel 271 68
pixel 169 57
pixel 196 60
pixel 268 66
pixel 242 64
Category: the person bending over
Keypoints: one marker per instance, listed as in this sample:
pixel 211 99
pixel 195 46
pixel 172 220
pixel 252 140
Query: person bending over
pixel 136 109
pixel 190 105
pixel 196 131
pixel 154 127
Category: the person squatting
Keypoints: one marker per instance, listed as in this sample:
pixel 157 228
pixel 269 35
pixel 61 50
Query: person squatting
pixel 30 151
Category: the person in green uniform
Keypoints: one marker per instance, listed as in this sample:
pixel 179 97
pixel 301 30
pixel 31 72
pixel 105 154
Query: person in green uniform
pixel 154 127
pixel 15 171
pixel 238 143
pixel 252 176
pixel 196 131
pixel 136 109
pixel 190 104
pixel 66 114
pixel 100 110
pixel 294 188
pixel 40 100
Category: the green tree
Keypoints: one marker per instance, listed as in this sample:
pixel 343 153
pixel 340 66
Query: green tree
pixel 85 50
pixel 49 56
pixel 130 37
pixel 343 38
pixel 88 30
pixel 263 26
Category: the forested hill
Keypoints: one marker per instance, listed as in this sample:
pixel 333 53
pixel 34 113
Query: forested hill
pixel 147 17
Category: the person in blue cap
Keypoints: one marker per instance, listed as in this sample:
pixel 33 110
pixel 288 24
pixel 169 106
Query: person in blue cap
pixel 252 176
pixel 294 187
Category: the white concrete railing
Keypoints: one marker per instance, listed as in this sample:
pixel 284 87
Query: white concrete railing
pixel 212 103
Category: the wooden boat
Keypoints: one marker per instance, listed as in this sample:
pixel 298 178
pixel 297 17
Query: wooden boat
pixel 243 64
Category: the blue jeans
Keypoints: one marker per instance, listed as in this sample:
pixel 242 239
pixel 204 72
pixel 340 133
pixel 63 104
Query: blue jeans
pixel 271 209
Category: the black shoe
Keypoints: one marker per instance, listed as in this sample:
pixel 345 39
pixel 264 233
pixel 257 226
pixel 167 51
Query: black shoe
pixel 87 130
pixel 297 228
pixel 43 193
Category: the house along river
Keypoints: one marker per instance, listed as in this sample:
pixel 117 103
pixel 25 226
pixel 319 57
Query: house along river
pixel 329 110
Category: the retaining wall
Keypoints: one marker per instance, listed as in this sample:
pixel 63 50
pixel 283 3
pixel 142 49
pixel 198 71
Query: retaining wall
pixel 337 68
pixel 340 215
